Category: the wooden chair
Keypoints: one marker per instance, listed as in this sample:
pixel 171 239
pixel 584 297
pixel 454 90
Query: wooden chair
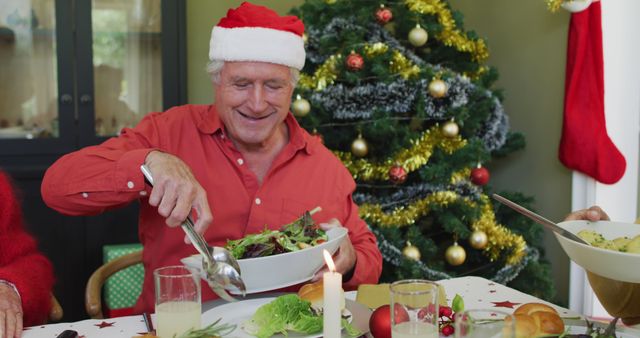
pixel 93 293
pixel 55 314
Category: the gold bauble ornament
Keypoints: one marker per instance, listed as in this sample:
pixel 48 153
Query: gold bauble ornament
pixel 300 107
pixel 305 38
pixel 478 240
pixel 359 147
pixel 411 252
pixel 450 129
pixel 437 88
pixel 418 36
pixel 455 254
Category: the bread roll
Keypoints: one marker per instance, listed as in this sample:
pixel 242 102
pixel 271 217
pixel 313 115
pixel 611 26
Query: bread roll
pixel 314 293
pixel 537 320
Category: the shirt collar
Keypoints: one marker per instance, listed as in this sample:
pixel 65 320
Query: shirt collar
pixel 209 123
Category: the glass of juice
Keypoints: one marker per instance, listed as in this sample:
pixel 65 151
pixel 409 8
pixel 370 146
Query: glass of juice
pixel 414 309
pixel 178 306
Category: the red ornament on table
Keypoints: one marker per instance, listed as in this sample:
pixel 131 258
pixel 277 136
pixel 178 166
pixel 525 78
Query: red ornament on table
pixel 397 174
pixel 480 175
pixel 383 15
pixel 380 320
pixel 354 61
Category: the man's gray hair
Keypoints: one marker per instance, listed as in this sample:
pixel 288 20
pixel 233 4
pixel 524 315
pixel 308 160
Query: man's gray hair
pixel 214 68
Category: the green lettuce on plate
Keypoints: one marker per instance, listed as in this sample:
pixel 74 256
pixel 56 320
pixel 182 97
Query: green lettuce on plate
pixel 288 313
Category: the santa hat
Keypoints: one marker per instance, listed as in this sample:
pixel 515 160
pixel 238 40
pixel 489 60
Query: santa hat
pixel 257 33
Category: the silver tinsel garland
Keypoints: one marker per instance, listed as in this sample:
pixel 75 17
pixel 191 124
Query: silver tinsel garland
pixel 406 194
pixel 394 256
pixel 360 102
pixel 494 131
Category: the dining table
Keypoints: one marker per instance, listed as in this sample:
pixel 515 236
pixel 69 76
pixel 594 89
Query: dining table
pixel 477 293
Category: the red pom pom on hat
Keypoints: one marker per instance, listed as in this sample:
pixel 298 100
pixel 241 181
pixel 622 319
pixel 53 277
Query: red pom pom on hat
pixel 257 33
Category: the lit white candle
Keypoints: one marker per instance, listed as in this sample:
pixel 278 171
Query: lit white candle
pixel 332 290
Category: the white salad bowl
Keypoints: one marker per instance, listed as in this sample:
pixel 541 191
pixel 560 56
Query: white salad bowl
pixel 278 271
pixel 619 266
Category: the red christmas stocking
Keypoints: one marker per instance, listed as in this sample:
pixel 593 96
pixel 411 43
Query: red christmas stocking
pixel 585 145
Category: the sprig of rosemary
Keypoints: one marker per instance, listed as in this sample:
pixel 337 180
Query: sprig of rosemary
pixel 213 330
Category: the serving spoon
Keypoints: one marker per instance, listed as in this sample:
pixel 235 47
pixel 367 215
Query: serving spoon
pixel 539 219
pixel 220 267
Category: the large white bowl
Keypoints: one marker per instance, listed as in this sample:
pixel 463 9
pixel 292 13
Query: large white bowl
pixel 278 271
pixel 620 266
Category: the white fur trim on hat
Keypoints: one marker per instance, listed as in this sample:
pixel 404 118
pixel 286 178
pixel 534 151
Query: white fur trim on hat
pixel 257 44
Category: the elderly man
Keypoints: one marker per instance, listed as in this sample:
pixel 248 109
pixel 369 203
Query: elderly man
pixel 238 165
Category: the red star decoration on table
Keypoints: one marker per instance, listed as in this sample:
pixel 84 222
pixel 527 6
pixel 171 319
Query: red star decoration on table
pixel 104 324
pixel 506 304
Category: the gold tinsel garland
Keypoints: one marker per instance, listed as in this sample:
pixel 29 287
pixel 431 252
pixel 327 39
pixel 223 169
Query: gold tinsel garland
pixel 554 5
pixel 399 64
pixel 410 159
pixel 325 75
pixel 450 35
pixel 500 238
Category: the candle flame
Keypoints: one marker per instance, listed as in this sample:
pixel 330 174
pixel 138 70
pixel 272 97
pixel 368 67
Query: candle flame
pixel 329 261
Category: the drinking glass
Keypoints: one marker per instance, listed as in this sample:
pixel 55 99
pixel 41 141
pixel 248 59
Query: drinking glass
pixel 178 306
pixel 414 309
pixel 484 324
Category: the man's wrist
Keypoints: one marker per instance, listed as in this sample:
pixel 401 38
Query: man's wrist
pixel 12 286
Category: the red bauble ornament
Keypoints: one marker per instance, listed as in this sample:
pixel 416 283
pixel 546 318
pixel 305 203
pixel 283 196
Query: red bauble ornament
pixel 397 174
pixel 354 62
pixel 380 321
pixel 383 15
pixel 480 175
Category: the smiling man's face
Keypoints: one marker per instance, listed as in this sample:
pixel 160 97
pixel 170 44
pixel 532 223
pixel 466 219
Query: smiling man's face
pixel 253 99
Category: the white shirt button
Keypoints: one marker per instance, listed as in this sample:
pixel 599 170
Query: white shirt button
pixel 258 201
pixel 85 195
pixel 240 161
pixel 130 185
pixel 143 193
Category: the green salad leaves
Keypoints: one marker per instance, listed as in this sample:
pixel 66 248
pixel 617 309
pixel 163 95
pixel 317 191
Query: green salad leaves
pixel 288 313
pixel 300 234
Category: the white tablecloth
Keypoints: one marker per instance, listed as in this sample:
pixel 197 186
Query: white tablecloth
pixel 478 293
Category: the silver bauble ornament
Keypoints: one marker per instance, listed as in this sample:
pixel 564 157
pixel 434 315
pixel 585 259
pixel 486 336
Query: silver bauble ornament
pixel 359 147
pixel 300 107
pixel 478 239
pixel 450 129
pixel 455 254
pixel 418 36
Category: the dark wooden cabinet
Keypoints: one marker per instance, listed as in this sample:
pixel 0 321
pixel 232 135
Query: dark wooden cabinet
pixel 79 34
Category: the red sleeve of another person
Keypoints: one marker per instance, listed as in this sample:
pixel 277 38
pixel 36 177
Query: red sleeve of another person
pixel 20 261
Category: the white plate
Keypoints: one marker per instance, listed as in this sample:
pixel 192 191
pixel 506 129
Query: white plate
pixel 580 327
pixel 239 312
pixel 620 266
pixel 278 271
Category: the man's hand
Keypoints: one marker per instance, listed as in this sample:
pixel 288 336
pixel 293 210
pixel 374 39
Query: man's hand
pixel 594 213
pixel 344 258
pixel 176 191
pixel 10 313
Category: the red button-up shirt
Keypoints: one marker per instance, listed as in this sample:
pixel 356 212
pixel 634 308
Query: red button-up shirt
pixel 304 175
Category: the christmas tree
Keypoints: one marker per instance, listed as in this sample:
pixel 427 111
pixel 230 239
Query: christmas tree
pixel 401 93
